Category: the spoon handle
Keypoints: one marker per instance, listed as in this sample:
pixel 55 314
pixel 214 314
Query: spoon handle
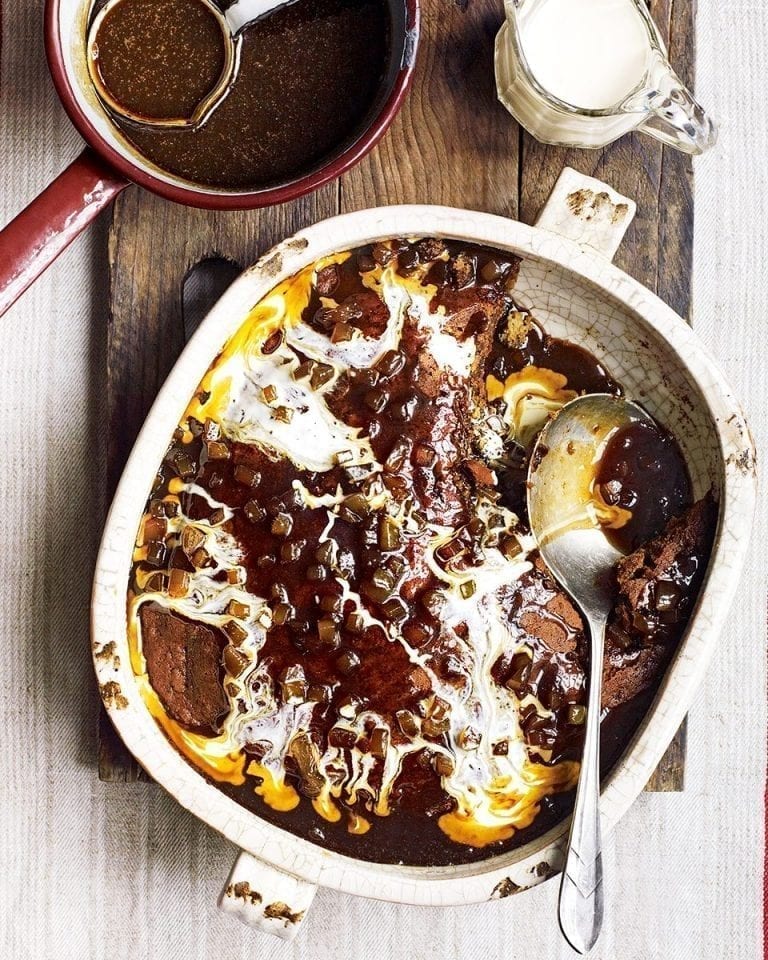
pixel 242 12
pixel 580 908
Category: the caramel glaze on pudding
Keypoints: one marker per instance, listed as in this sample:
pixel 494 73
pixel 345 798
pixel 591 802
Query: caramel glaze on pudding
pixel 337 612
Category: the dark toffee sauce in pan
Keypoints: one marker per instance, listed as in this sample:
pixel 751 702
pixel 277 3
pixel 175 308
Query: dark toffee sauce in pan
pixel 309 76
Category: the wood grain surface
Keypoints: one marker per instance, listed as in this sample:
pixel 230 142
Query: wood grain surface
pixel 452 143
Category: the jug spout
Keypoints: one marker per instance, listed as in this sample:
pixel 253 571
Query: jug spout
pixel 673 115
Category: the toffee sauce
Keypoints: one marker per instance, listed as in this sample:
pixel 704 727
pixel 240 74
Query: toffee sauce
pixel 642 470
pixel 309 75
pixel 159 58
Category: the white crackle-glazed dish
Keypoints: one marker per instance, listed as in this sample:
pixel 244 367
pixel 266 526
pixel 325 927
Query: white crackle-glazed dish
pixel 568 281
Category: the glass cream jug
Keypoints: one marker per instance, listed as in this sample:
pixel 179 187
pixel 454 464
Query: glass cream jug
pixel 585 72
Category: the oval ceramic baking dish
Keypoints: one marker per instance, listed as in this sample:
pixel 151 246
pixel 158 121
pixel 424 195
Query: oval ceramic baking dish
pixel 567 280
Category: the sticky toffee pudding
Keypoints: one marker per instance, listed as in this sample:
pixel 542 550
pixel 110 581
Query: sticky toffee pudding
pixel 337 611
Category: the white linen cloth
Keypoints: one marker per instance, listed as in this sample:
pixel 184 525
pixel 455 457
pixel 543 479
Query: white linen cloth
pixel 91 870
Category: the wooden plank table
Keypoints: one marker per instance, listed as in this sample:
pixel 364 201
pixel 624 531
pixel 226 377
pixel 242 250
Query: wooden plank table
pixel 453 144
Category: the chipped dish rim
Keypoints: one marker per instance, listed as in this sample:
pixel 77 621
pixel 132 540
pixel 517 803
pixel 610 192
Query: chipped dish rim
pixel 498 875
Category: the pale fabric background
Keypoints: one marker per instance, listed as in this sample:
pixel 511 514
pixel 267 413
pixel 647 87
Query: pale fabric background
pixel 89 870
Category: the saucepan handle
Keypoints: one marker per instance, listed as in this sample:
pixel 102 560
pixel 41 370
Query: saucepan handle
pixel 588 211
pixel 31 242
pixel 266 898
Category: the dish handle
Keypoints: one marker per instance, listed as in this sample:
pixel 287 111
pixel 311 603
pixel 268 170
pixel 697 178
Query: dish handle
pixel 587 211
pixel 265 898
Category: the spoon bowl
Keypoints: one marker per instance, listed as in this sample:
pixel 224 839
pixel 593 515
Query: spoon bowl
pixel 568 518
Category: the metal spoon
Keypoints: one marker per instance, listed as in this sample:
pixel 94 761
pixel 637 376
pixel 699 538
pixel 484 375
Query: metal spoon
pixel 567 520
pixel 231 22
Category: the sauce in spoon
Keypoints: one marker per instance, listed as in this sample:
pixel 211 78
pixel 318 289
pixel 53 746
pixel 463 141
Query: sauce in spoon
pixel 159 58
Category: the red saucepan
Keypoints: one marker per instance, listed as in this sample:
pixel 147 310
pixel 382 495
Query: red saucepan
pixel 32 241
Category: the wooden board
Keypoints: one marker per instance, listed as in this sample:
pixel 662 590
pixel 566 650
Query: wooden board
pixel 453 144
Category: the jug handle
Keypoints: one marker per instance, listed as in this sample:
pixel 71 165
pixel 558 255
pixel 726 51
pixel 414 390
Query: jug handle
pixel 674 116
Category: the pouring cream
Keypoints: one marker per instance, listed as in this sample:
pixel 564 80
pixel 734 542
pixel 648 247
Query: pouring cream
pixel 588 53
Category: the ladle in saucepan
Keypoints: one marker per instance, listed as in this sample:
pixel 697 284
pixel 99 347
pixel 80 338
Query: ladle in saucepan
pixel 567 521
pixel 231 23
